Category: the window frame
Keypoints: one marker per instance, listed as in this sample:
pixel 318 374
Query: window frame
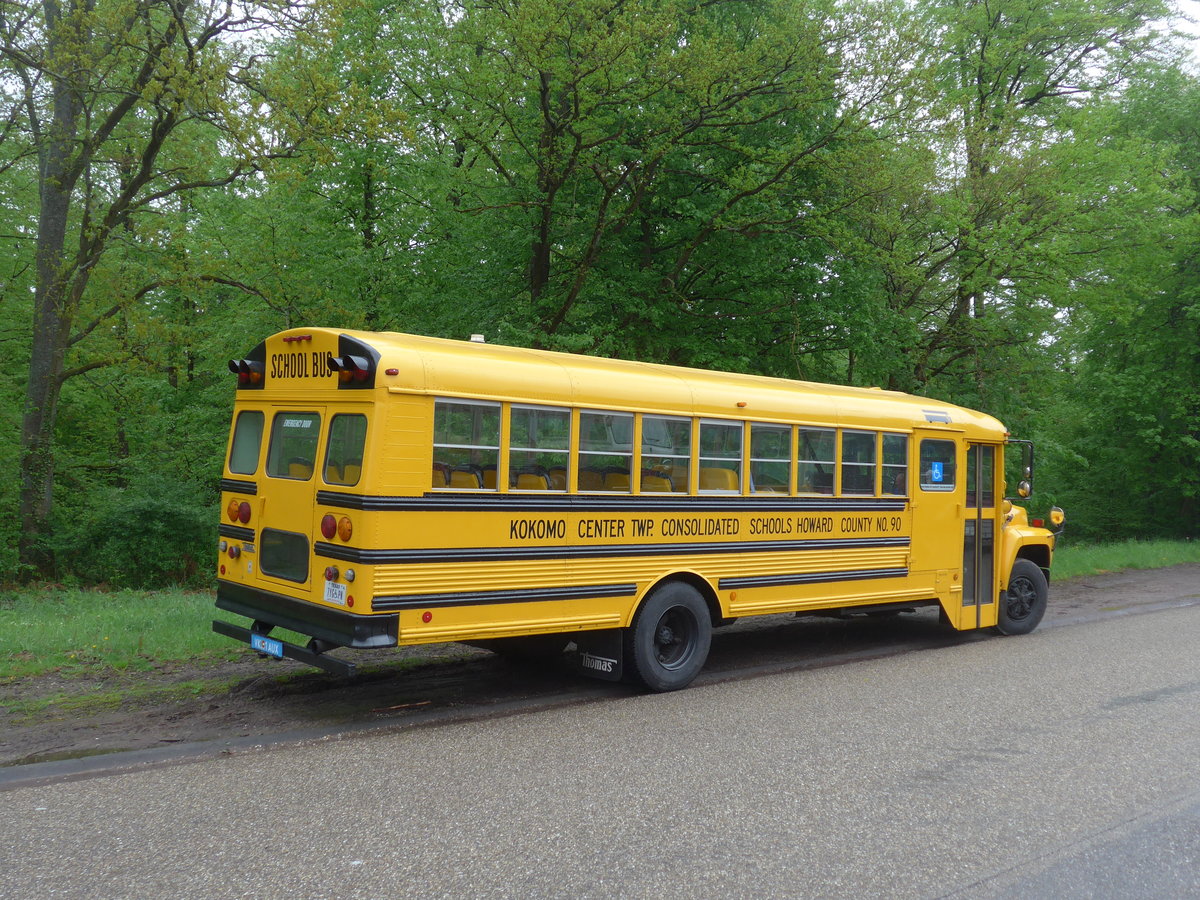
pixel 473 447
pixel 316 444
pixel 236 438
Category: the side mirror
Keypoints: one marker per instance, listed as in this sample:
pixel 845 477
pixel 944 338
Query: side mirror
pixel 1024 489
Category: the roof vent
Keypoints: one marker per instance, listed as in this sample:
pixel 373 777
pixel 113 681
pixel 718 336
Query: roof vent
pixel 478 339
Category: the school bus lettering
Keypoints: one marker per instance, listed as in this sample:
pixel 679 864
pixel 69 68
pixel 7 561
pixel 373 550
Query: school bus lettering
pixel 814 524
pixel 700 527
pixel 770 525
pixel 602 528
pixel 491 493
pixel 300 364
pixel 857 524
pixel 537 529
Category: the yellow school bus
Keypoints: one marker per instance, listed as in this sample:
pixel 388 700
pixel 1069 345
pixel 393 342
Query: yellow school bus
pixel 390 489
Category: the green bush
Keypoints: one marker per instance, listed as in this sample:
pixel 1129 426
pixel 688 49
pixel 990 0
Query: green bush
pixel 150 534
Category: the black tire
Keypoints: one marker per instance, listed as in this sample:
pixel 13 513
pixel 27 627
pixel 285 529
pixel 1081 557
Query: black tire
pixel 667 642
pixel 1024 603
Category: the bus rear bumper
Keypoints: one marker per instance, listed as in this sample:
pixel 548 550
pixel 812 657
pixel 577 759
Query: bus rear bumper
pixel 329 626
pixel 280 649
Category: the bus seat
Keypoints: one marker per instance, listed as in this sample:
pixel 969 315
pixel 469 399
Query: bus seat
pixel 679 478
pixel 441 474
pixel 351 473
pixel 333 473
pixel 714 479
pixel 558 478
pixel 656 481
pixel 469 477
pixel 616 480
pixel 533 481
pixel 300 469
pixel 591 480
pixel 489 477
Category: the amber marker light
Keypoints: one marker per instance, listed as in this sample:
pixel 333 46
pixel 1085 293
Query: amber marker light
pixel 232 510
pixel 345 529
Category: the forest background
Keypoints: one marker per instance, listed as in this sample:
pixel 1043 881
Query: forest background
pixel 991 202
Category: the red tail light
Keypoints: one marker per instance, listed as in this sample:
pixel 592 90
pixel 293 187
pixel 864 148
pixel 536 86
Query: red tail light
pixel 243 512
pixel 329 527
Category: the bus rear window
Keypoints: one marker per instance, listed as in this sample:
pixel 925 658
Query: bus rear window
pixel 344 456
pixel 247 440
pixel 293 450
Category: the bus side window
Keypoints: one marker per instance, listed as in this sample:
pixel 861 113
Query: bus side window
pixel 720 457
pixel 666 452
pixel 816 460
pixel 770 458
pixel 858 462
pixel 466 444
pixel 605 451
pixel 895 464
pixel 344 455
pixel 293 449
pixel 538 443
pixel 937 465
pixel 247 441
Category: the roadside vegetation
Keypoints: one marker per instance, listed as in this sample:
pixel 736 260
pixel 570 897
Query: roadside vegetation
pixel 84 632
pixel 1073 561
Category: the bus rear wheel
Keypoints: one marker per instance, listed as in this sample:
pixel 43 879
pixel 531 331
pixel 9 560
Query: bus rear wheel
pixel 667 642
pixel 1024 603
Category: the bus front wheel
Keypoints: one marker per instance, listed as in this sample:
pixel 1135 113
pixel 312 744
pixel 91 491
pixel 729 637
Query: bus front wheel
pixel 1024 603
pixel 667 642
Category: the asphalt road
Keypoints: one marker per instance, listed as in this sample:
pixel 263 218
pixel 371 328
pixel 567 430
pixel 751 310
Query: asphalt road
pixel 1065 764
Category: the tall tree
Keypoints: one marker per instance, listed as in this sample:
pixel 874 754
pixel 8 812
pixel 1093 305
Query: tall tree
pixel 1014 188
pixel 101 95
pixel 653 176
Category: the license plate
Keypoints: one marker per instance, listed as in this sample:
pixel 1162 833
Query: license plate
pixel 264 644
pixel 335 593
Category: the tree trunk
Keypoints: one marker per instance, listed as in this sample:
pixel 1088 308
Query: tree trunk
pixel 51 329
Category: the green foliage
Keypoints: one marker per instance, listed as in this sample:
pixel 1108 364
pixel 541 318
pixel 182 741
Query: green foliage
pixel 153 532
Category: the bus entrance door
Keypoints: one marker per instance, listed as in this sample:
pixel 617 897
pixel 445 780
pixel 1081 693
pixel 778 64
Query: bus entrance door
pixel 979 538
pixel 937 517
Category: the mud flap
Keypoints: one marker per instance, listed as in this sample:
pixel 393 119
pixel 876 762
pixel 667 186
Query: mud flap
pixel 597 654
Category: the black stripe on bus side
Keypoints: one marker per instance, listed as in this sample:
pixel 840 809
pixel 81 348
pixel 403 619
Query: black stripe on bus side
pixel 236 532
pixel 644 503
pixel 488 554
pixel 756 581
pixel 482 598
pixel 239 487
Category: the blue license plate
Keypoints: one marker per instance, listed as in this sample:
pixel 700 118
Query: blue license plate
pixel 269 646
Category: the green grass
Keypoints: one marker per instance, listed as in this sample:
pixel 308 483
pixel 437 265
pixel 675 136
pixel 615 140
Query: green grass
pixel 1097 559
pixel 77 632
